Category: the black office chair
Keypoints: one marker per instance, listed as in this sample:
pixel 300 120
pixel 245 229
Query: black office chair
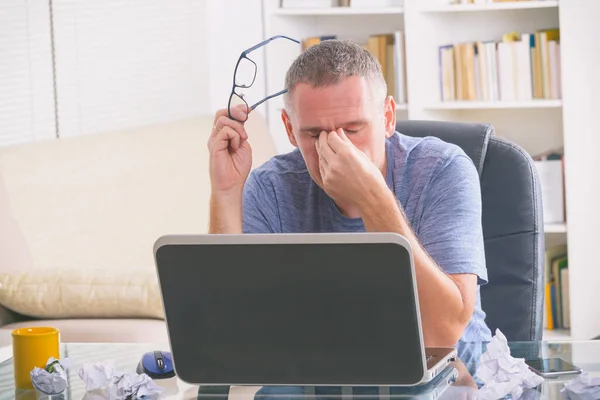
pixel 512 225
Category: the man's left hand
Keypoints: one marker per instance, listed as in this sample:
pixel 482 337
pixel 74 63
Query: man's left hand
pixel 347 173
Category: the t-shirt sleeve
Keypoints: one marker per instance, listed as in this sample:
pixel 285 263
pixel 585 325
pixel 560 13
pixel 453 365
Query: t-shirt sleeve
pixel 451 229
pixel 259 214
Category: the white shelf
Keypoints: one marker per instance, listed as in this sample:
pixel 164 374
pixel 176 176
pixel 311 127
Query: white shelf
pixel 556 334
pixel 339 11
pixel 555 228
pixel 486 105
pixel 513 5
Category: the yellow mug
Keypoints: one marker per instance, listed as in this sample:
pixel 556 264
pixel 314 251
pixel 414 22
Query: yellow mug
pixel 32 347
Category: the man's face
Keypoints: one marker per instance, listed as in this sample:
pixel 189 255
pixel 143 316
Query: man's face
pixel 347 105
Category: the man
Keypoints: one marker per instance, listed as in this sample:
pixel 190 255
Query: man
pixel 352 172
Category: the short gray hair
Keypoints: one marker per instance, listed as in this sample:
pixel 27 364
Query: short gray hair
pixel 331 61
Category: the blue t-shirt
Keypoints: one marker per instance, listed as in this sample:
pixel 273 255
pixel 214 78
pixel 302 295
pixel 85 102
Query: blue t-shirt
pixel 435 182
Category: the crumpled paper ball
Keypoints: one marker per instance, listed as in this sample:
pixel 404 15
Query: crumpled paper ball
pixel 583 387
pixel 103 381
pixel 51 380
pixel 503 374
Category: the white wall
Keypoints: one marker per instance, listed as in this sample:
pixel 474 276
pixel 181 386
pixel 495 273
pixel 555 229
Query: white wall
pixel 233 26
pixel 128 63
pixel 26 87
pixel 120 64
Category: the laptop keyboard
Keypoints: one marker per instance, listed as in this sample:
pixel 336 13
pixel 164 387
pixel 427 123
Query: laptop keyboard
pixel 431 360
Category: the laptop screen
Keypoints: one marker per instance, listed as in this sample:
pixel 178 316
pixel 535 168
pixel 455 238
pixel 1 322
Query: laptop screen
pixel 291 314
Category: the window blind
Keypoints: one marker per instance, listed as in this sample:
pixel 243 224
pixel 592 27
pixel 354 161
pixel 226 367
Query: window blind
pixel 27 111
pixel 124 63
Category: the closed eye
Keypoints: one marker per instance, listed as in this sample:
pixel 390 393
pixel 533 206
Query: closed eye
pixel 316 133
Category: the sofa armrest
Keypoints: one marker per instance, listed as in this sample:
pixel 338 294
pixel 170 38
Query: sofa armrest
pixel 8 316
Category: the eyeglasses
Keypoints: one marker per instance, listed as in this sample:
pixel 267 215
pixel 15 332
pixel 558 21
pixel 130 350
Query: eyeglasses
pixel 245 75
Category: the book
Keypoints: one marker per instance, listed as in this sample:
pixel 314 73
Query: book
pixel 551 306
pixel 550 170
pixel 517 67
pixel 389 49
pixel 400 67
pixel 312 40
pixel 447 72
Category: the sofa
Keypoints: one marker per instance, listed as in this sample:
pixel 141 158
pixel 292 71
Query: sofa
pixel 79 217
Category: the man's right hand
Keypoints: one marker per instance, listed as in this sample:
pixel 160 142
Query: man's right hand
pixel 230 161
pixel 230 154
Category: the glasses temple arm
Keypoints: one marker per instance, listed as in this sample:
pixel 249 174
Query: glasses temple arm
pixel 264 42
pixel 267 98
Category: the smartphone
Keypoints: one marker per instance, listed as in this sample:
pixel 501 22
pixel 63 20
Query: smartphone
pixel 552 367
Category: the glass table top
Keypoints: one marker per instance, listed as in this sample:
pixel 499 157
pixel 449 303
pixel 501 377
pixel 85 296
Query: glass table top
pixel 458 382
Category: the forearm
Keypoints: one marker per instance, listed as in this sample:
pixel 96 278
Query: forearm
pixel 444 314
pixel 225 213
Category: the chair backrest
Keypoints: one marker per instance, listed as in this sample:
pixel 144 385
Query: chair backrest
pixel 512 225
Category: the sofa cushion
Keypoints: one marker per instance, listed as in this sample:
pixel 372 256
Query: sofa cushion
pixel 99 330
pixel 83 293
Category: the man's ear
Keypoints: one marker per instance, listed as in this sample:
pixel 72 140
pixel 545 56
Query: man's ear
pixel 389 114
pixel 287 122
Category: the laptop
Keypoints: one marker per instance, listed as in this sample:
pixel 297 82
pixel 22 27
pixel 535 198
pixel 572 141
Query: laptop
pixel 444 386
pixel 334 309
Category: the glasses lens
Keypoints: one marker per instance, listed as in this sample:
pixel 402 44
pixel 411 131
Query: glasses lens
pixel 245 74
pixel 234 102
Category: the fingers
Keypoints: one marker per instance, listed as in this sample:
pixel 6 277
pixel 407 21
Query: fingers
pixel 324 148
pixel 226 137
pixel 322 160
pixel 224 121
pixel 335 141
pixel 323 164
pixel 342 134
pixel 323 171
pixel 238 113
pixel 321 146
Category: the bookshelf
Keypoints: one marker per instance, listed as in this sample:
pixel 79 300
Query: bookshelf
pixel 312 12
pixel 489 105
pixel 555 228
pixel 557 335
pixel 538 125
pixel 513 5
